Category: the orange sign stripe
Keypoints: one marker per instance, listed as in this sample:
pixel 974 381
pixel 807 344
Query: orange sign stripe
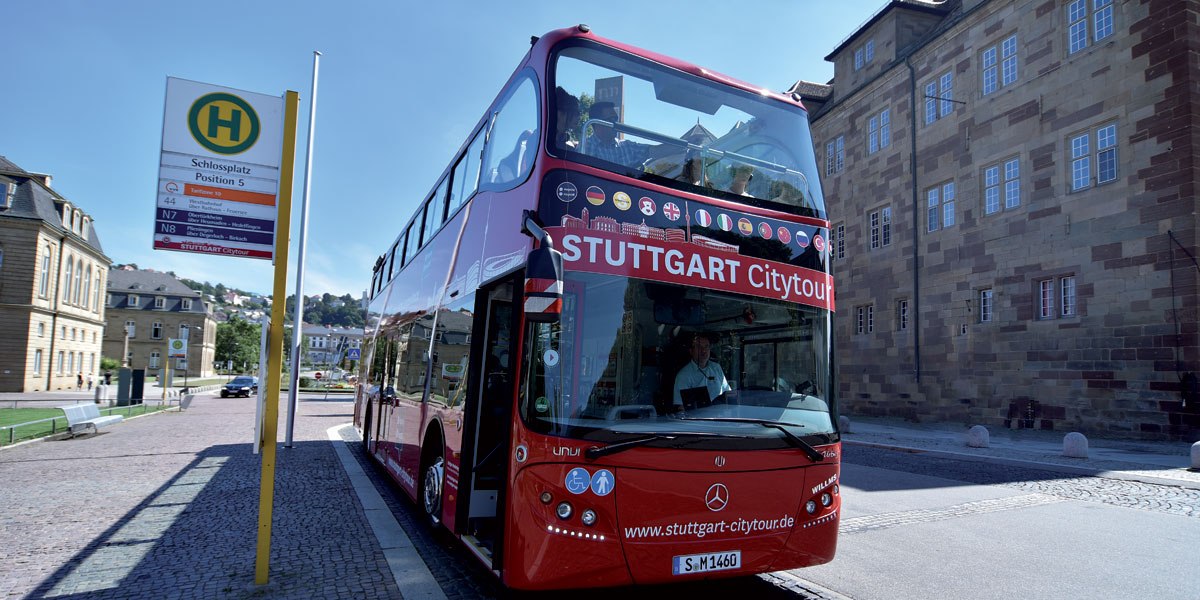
pixel 204 191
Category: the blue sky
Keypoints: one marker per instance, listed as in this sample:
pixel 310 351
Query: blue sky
pixel 401 85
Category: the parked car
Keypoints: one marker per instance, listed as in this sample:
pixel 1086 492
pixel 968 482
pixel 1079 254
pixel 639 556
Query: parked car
pixel 240 386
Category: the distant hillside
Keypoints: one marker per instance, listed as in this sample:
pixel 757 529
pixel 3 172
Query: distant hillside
pixel 319 309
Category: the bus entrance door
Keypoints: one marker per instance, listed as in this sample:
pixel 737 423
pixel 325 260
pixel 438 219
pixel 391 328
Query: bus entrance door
pixel 493 412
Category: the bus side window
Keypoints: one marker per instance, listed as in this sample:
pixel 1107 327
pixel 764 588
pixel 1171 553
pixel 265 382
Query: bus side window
pixel 512 144
pixel 466 173
pixel 414 240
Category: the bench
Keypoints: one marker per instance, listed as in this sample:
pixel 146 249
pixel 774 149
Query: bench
pixel 82 416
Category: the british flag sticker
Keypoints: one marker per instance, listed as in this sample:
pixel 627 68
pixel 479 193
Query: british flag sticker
pixel 703 219
pixel 671 211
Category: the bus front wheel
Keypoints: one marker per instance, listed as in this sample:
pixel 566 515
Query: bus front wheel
pixel 431 496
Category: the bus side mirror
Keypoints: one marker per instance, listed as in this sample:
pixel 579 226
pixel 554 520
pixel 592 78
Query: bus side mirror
pixel 543 275
pixel 543 285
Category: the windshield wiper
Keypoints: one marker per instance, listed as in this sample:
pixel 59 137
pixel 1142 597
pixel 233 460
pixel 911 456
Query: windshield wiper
pixel 792 438
pixel 597 451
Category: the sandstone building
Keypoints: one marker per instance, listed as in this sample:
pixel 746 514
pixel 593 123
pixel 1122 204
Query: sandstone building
pixel 153 308
pixel 1012 186
pixel 52 268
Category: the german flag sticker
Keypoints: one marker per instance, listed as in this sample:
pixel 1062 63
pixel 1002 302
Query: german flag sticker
pixel 595 195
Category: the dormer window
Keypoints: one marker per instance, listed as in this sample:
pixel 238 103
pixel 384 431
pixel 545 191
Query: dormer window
pixel 7 192
pixel 66 215
pixel 186 304
pixel 160 302
pixel 133 300
pixel 87 224
pixel 76 221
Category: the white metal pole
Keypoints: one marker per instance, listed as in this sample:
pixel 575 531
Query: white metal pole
pixel 298 322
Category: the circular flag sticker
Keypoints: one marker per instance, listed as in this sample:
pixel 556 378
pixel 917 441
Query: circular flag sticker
pixel 819 243
pixel 764 229
pixel 724 222
pixel 595 195
pixel 671 211
pixel 647 206
pixel 785 236
pixel 745 227
pixel 801 238
pixel 703 219
pixel 621 200
pixel 566 191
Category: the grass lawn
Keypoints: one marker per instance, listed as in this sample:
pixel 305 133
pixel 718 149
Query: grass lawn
pixel 14 416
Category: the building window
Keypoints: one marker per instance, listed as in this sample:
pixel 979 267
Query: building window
pixel 864 55
pixel 186 304
pixel 44 286
pixel 1007 176
pixel 64 332
pixel 940 206
pixel 37 361
pixel 130 329
pixel 96 292
pixel 66 297
pixel 858 59
pixel 1104 140
pixel 1100 22
pixel 881 227
pixel 839 241
pixel 985 306
pixel 155 331
pixel 1067 294
pixel 865 319
pixel 70 362
pixel 880 135
pixel 1046 299
pixel 78 284
pixel 133 301
pixel 902 314
pixel 41 329
pixel 183 331
pixel 87 287
pixel 61 359
pixel 939 97
pixel 835 155
pixel 153 364
pixel 160 302
pixel 1000 65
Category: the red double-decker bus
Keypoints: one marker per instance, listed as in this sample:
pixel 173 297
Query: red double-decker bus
pixel 600 351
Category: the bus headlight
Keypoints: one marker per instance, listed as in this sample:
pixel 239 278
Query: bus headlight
pixel 826 499
pixel 811 507
pixel 546 498
pixel 564 510
pixel 588 517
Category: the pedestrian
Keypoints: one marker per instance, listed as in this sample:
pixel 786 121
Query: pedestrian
pixel 79 381
pixel 90 380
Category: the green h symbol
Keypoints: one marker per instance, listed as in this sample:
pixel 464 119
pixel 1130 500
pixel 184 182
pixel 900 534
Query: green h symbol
pixel 233 124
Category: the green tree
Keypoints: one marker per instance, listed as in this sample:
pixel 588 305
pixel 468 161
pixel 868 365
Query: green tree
pixel 237 341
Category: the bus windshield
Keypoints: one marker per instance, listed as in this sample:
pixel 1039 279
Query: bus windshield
pixel 629 369
pixel 642 119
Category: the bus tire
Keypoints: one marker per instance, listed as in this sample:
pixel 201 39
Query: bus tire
pixel 432 478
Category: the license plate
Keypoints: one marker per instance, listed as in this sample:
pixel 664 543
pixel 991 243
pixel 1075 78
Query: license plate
pixel 705 563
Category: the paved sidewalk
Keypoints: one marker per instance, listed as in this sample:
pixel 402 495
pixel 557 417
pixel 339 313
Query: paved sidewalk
pixel 1163 463
pixel 166 506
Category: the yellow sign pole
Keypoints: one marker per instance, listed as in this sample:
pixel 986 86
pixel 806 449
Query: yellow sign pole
pixel 283 223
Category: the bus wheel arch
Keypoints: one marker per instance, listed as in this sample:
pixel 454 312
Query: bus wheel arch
pixel 433 473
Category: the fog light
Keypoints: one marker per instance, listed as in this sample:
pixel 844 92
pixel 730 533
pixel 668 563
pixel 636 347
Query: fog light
pixel 837 489
pixel 826 499
pixel 811 506
pixel 546 498
pixel 564 510
pixel 588 517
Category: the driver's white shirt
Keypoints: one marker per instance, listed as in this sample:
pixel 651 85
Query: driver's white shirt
pixel 692 376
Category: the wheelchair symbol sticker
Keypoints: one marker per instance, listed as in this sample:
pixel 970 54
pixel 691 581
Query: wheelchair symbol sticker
pixel 578 480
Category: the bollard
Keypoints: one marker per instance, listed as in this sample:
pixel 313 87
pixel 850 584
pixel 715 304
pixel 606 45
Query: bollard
pixel 1075 445
pixel 978 437
pixel 844 424
pixel 1196 456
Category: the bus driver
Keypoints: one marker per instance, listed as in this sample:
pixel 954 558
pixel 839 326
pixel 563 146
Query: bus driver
pixel 699 375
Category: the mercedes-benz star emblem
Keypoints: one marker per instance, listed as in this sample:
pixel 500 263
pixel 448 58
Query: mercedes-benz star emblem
pixel 717 497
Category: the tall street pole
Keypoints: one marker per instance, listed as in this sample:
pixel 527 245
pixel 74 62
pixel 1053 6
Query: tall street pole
pixel 298 323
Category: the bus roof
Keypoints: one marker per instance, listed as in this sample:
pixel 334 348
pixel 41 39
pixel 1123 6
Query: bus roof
pixel 548 41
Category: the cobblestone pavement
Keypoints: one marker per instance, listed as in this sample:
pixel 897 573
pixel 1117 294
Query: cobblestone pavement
pixel 1170 499
pixel 166 506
